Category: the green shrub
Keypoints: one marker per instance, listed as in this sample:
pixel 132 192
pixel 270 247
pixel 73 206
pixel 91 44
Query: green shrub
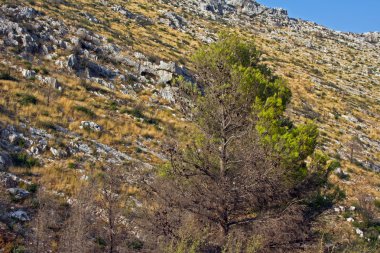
pixel 136 112
pixel 135 245
pixel 32 188
pixel 26 99
pixel 6 76
pixel 72 165
pixel 139 150
pixel 113 106
pixel 377 203
pixel 24 160
pixel 18 249
pixel 152 121
pixel 85 110
pixel 334 165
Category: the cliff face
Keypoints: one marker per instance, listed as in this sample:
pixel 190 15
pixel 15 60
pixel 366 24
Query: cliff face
pixel 86 82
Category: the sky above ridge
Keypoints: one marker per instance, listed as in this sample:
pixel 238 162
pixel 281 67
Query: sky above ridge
pixel 341 15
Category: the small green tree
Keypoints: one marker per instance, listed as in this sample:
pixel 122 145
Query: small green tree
pixel 242 175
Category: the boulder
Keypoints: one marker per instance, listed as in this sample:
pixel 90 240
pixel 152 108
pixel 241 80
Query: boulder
pixel 165 71
pixel 168 93
pixel 164 76
pixel 34 151
pixel 91 69
pixel 58 153
pixel 372 37
pixel 174 20
pixel 72 61
pixel 91 125
pixel 18 193
pixel 359 232
pixel 28 74
pixel 50 81
pixel 19 215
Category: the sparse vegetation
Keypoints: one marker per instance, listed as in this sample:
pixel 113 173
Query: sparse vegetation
pixel 26 99
pixel 85 110
pixel 45 150
pixel 24 160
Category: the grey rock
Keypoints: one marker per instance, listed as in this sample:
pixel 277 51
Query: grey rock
pixel 167 66
pixel 18 193
pixel 131 63
pixel 9 180
pixel 359 232
pixel 19 215
pixel 174 20
pixel 72 61
pixel 50 81
pixel 92 69
pixel 164 76
pixel 21 12
pixel 91 125
pixel 15 139
pixel 28 74
pixel 168 93
pixel 164 72
pixel 140 19
pixel 103 83
pixel 34 151
pixel 58 153
pixel 90 17
pixel 372 37
pixel 76 146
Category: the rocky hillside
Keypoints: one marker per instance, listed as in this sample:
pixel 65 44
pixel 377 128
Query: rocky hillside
pixel 86 82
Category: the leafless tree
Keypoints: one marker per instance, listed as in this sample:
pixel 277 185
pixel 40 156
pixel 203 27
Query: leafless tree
pixel 46 223
pixel 76 234
pixel 112 202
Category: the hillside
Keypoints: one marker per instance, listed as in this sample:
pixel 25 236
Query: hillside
pixel 84 83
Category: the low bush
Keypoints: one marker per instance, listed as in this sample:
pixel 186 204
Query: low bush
pixel 26 99
pixel 24 160
pixel 85 110
pixel 7 76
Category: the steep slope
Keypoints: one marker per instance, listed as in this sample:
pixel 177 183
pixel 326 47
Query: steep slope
pixel 88 82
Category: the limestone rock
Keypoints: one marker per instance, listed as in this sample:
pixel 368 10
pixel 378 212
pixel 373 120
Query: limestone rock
pixel 359 232
pixel 19 215
pixel 168 93
pixel 28 74
pixel 91 125
pixel 72 61
pixel 58 153
pixel 174 20
pixel 50 81
pixel 18 193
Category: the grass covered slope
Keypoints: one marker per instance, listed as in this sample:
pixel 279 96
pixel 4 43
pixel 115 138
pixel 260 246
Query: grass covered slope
pixel 82 84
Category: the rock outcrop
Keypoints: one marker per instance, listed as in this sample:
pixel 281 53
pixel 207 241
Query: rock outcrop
pixel 91 126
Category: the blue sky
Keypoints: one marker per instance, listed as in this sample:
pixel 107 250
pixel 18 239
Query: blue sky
pixel 342 15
